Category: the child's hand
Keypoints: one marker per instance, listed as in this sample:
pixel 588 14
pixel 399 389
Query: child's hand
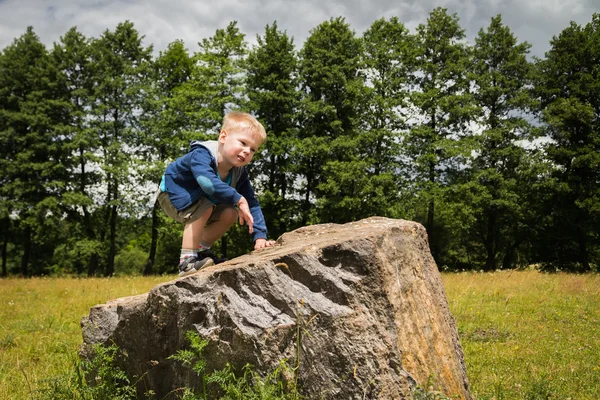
pixel 262 243
pixel 244 214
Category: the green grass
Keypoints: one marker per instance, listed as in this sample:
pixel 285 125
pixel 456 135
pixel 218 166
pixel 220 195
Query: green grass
pixel 39 325
pixel 526 335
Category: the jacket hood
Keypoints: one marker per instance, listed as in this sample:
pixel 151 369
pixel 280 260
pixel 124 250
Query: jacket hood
pixel 196 143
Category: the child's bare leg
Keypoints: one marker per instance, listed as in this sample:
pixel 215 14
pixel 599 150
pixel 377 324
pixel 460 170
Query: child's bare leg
pixel 192 235
pixel 216 229
pixel 193 231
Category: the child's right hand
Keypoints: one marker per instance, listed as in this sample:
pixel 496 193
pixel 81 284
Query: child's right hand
pixel 244 214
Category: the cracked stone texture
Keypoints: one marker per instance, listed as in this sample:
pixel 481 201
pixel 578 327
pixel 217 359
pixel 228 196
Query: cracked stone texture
pixel 368 296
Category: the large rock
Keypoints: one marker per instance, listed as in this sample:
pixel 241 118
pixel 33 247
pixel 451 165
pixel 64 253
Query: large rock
pixel 368 297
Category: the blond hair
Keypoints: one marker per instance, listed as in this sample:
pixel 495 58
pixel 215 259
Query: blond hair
pixel 236 120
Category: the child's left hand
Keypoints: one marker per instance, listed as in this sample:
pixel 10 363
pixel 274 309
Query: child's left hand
pixel 262 243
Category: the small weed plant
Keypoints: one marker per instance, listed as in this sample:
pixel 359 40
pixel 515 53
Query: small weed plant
pixel 249 385
pixel 101 378
pixel 98 378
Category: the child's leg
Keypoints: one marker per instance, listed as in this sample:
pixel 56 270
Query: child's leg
pixel 193 231
pixel 192 235
pixel 219 224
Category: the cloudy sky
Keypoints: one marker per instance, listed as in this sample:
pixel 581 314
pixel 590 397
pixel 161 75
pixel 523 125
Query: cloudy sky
pixel 162 21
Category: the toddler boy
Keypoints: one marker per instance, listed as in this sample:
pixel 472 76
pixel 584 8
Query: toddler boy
pixel 208 189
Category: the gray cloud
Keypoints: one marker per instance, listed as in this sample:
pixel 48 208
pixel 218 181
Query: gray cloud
pixel 163 21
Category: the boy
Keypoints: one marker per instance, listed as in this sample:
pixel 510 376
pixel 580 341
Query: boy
pixel 208 189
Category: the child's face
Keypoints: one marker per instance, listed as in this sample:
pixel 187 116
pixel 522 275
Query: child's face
pixel 239 146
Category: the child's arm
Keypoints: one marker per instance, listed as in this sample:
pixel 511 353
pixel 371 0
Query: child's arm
pixel 208 179
pixel 245 214
pixel 244 187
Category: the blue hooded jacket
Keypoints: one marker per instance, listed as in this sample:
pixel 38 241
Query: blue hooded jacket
pixel 195 175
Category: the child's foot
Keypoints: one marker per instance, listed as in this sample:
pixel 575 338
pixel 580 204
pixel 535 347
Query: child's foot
pixel 211 255
pixel 193 264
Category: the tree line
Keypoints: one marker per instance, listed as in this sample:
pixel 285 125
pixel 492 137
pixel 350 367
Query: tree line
pixel 496 154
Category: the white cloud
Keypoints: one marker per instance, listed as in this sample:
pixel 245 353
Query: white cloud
pixel 163 21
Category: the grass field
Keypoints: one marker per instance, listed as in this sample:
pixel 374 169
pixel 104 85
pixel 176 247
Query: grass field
pixel 39 325
pixel 526 335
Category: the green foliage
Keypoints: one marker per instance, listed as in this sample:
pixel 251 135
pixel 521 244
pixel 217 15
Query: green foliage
pixel 98 378
pixel 72 256
pixel 215 84
pixel 331 111
pixel 389 56
pixel 250 385
pixel 162 136
pixel 419 125
pixel 441 98
pixel 169 245
pixel 490 187
pixel 72 56
pixel 568 84
pixel 32 113
pixel 120 65
pixel 130 260
pixel 271 86
pixel 193 357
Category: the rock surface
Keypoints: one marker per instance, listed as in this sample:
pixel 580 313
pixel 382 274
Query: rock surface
pixel 367 295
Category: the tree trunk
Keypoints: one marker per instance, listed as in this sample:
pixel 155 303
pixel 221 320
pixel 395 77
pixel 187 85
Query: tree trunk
pixel 4 255
pixel 110 264
pixel 431 177
pixel 283 186
pixel 273 163
pixel 87 218
pixel 583 252
pixel 306 205
pixel 93 261
pixel 154 243
pixel 430 215
pixel 93 265
pixel 510 257
pixel 490 243
pixel 433 245
pixel 26 252
pixel 431 206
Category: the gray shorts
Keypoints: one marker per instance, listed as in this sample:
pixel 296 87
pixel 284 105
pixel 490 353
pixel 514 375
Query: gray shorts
pixel 193 212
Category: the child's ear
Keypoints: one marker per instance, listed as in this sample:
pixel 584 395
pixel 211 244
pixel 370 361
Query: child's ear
pixel 222 136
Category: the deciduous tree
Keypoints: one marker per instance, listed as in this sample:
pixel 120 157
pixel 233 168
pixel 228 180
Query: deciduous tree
pixel 72 55
pixel 569 89
pixel 161 136
pixel 271 87
pixel 332 81
pixel 442 104
pixel 32 110
pixel 501 85
pixel 389 52
pixel 120 60
pixel 217 82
